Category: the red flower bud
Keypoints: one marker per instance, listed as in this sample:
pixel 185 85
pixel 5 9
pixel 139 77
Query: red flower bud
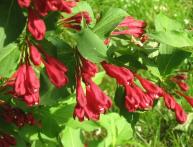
pixel 24 3
pixel 20 75
pixel 123 75
pixel 181 116
pixel 130 26
pixel 183 86
pixel 170 102
pixel 149 86
pixel 36 25
pixel 88 70
pixel 35 55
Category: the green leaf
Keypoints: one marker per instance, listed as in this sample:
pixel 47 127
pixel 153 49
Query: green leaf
pixel 86 125
pixel 169 59
pixel 91 46
pixel 163 23
pixel 174 39
pixel 71 137
pixel 9 57
pixel 109 21
pixel 12 21
pixel 119 131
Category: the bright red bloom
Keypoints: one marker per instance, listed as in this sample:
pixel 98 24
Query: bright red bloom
pixel 35 55
pixel 56 71
pixel 19 85
pixel 123 75
pixel 97 102
pixel 130 26
pixel 181 115
pixel 189 99
pixel 36 25
pixel 169 100
pixel 45 6
pixel 88 70
pixel 74 21
pixel 149 86
pixel 24 3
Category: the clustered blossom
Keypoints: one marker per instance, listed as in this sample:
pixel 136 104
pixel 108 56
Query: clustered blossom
pixel 94 102
pixel 37 9
pixel 7 140
pixel 17 116
pixel 74 22
pixel 137 98
pixel 25 85
pixel 24 82
pixel 131 27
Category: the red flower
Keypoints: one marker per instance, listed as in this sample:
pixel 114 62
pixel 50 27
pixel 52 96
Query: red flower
pixel 130 26
pixel 35 55
pixel 74 21
pixel 150 87
pixel 181 115
pixel 24 3
pixel 36 25
pixel 96 102
pixel 19 85
pixel 169 100
pixel 123 75
pixel 56 71
pixel 88 70
pixel 189 99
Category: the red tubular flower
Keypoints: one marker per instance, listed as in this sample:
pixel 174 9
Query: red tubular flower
pixel 132 99
pixel 169 100
pixel 56 71
pixel 75 21
pixel 36 25
pixel 123 75
pixel 32 82
pixel 41 7
pixel 35 55
pixel 24 3
pixel 189 99
pixel 150 87
pixel 19 85
pixel 97 101
pixel 88 70
pixel 181 116
pixel 183 86
pixel 9 139
pixel 133 27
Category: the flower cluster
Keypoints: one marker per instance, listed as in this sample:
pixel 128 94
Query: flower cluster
pixel 143 98
pixel 7 140
pixel 40 8
pixel 132 27
pixel 74 22
pixel 17 116
pixel 24 82
pixel 95 101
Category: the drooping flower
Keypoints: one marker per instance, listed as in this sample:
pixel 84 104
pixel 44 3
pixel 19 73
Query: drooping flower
pixel 56 71
pixel 74 22
pixel 181 115
pixel 130 26
pixel 35 55
pixel 24 3
pixel 36 25
pixel 94 102
pixel 149 86
pixel 123 75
